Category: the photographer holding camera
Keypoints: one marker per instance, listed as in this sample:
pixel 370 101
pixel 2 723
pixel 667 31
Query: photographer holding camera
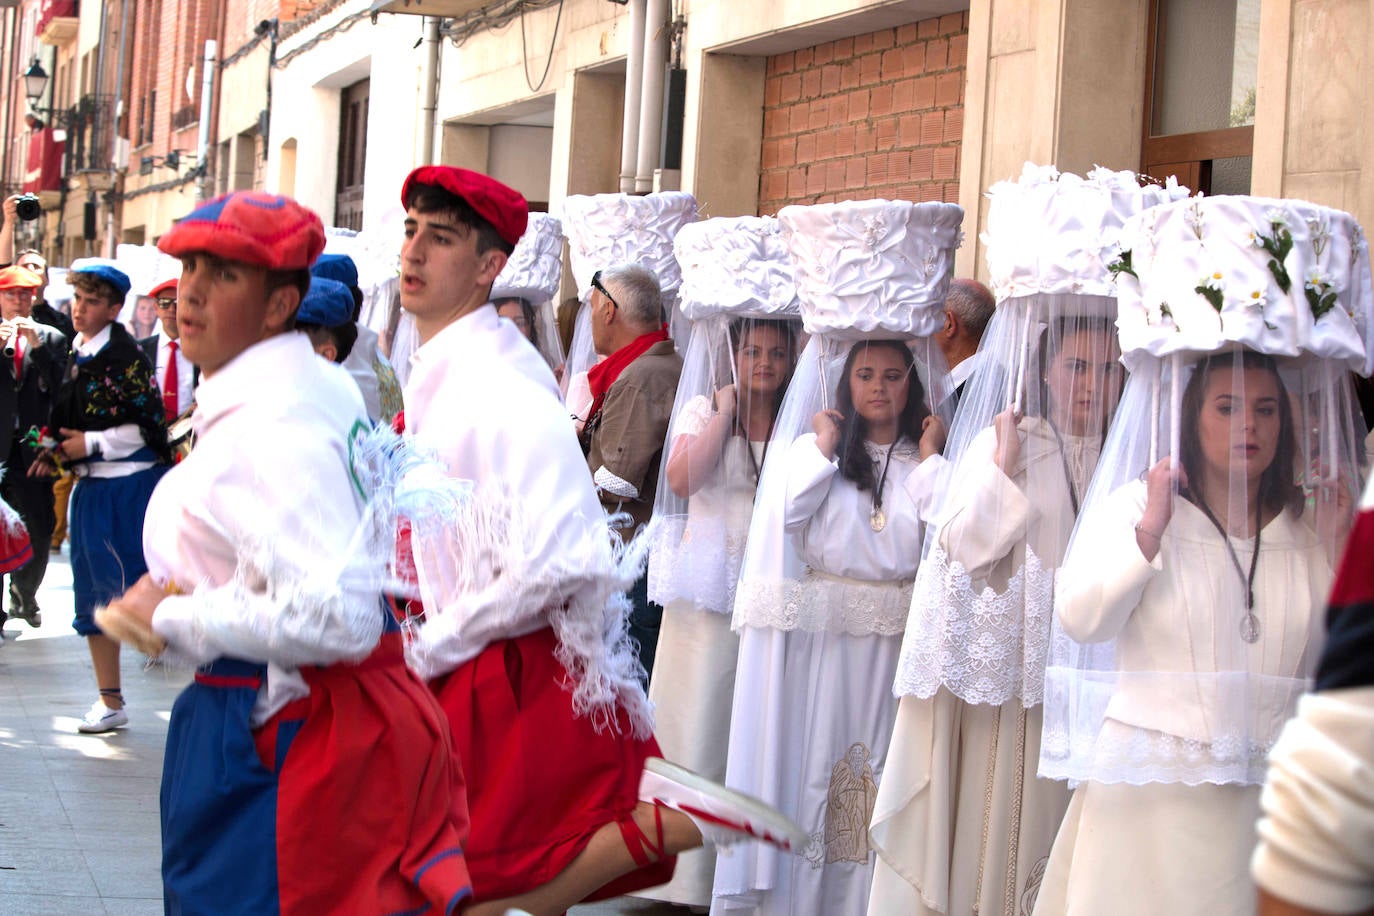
pixel 20 208
pixel 30 372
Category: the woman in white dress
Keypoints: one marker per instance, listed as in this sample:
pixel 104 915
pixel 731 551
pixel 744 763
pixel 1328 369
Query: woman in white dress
pixel 717 446
pixel 816 668
pixel 1190 597
pixel 962 823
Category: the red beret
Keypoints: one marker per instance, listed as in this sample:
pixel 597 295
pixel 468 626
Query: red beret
pixel 19 278
pixel 166 286
pixel 503 207
pixel 252 227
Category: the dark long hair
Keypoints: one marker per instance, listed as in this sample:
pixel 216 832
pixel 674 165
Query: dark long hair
pixel 527 310
pixel 1278 487
pixel 855 465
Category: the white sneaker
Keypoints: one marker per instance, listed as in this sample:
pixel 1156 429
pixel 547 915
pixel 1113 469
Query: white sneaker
pixel 101 718
pixel 723 815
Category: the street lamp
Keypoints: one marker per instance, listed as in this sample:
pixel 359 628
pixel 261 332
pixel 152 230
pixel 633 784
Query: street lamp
pixel 35 83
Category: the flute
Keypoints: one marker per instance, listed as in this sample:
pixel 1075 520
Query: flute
pixel 18 324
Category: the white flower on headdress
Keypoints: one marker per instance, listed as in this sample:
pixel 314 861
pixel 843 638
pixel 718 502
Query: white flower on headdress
pixel 1211 281
pixel 875 229
pixel 1255 239
pixel 1321 233
pixel 1258 300
pixel 1193 217
pixel 1032 174
pixel 1276 217
pixel 1357 240
pixel 1317 281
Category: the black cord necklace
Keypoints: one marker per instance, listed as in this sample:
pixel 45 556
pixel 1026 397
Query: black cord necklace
pixel 1064 463
pixel 1249 625
pixel 878 519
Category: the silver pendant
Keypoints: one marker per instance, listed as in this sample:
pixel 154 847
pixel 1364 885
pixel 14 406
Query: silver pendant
pixel 877 521
pixel 1250 628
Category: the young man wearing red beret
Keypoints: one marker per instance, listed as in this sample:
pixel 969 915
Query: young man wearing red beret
pixel 307 770
pixel 523 634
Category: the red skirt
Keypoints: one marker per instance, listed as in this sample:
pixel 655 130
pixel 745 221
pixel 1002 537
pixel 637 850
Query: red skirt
pixel 540 779
pixel 370 800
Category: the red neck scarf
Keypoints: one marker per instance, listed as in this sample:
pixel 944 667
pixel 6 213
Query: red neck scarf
pixel 602 376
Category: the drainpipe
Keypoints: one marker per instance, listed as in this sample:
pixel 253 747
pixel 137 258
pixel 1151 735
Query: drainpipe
pixel 207 100
pixel 651 98
pixel 634 83
pixel 8 53
pixel 429 79
pixel 110 242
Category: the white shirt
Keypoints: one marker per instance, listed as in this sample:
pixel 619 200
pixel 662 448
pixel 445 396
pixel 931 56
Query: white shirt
pixel 268 485
pixel 186 389
pixel 536 549
pixel 116 442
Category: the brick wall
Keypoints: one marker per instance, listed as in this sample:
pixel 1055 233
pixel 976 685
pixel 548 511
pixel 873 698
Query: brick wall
pixel 876 115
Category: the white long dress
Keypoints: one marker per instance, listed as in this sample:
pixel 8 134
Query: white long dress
pixel 813 707
pixel 1161 837
pixel 694 670
pixel 962 823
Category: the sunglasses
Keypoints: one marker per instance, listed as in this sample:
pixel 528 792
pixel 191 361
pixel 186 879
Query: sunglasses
pixel 165 303
pixel 597 284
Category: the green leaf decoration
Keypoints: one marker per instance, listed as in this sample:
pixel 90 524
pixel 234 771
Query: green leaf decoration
pixel 1320 302
pixel 1280 274
pixel 1122 265
pixel 1213 295
pixel 1166 312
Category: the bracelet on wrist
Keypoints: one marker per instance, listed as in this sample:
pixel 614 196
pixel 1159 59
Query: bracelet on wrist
pixel 1143 530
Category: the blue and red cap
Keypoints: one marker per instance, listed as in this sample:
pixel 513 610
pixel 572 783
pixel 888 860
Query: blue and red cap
pixel 251 227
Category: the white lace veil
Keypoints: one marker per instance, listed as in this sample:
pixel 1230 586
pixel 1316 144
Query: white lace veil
pixel 740 296
pixel 1047 366
pixel 865 271
pixel 1178 650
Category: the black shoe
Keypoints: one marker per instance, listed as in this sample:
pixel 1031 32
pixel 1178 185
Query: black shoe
pixel 30 614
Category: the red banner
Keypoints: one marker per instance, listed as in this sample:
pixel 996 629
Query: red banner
pixel 44 171
pixel 49 10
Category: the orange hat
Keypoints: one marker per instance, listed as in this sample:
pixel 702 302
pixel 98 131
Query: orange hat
pixel 166 286
pixel 251 227
pixel 19 278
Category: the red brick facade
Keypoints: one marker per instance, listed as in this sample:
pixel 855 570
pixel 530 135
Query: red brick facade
pixel 876 115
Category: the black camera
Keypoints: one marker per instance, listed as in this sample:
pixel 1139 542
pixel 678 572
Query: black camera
pixel 28 207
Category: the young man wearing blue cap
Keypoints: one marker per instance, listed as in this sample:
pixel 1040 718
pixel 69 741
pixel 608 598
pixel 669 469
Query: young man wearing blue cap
pixel 326 317
pixel 109 428
pixel 307 770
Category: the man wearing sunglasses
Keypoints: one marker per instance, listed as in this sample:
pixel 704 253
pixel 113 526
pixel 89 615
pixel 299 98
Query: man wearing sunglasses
pixel 176 376
pixel 632 401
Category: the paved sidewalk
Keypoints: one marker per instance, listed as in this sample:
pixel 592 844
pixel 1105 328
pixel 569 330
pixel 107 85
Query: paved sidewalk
pixel 79 833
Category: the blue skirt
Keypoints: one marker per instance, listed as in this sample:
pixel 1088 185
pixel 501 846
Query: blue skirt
pixel 107 539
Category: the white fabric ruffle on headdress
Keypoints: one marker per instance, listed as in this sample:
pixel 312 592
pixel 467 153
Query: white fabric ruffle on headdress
pixel 1282 277
pixel 535 268
pixel 873 268
pixel 1056 232
pixel 737 266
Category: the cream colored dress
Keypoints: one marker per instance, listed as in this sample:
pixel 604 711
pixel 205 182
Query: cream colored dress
pixel 962 822
pixel 1193 709
pixel 694 671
